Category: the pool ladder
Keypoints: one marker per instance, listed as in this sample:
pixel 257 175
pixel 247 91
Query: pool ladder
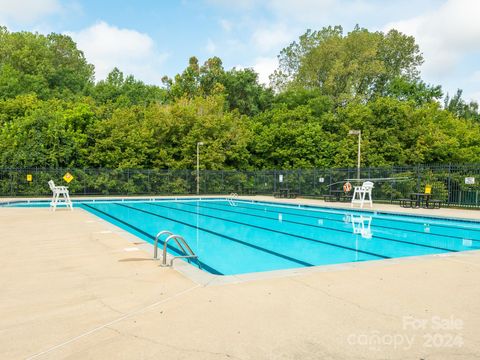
pixel 231 199
pixel 181 243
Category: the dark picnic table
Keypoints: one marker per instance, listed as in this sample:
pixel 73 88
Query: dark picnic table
pixel 420 200
pixel 337 195
pixel 285 193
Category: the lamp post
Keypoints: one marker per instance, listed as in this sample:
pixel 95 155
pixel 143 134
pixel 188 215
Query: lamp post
pixel 359 133
pixel 198 166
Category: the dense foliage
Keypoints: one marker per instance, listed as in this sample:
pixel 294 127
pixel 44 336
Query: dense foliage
pixel 53 114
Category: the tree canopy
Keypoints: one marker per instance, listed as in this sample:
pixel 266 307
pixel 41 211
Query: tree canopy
pixel 357 66
pixel 49 66
pixel 53 113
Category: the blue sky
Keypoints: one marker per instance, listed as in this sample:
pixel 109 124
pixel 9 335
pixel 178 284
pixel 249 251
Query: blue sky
pixel 150 39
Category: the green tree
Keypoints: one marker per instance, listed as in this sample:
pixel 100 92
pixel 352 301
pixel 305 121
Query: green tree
pixel 126 91
pixel 292 137
pixel 186 84
pixel 52 115
pixel 413 90
pixel 165 136
pixel 49 66
pixel 291 57
pixel 244 93
pixel 239 87
pixel 40 133
pixel 357 66
pixel 459 107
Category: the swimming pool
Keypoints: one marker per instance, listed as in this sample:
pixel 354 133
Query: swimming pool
pixel 245 236
pixel 248 236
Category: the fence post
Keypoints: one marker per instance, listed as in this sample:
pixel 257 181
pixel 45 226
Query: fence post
pixel 298 181
pixel 418 178
pixel 128 180
pixel 149 188
pixel 11 183
pixel 204 178
pixel 330 182
pixel 449 186
pixel 223 182
pixel 274 180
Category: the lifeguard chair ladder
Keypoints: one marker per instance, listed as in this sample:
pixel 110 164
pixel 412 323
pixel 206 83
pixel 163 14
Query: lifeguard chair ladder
pixel 57 192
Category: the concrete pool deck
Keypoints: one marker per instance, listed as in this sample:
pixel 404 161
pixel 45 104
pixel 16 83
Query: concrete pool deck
pixel 74 288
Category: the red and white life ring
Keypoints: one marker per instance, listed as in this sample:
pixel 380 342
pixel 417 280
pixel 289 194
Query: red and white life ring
pixel 347 187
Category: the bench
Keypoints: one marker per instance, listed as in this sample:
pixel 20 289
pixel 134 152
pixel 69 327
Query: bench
pixel 285 193
pixel 413 203
pixel 329 198
pixel 408 203
pixel 434 204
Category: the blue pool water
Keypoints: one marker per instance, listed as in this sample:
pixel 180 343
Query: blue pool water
pixel 253 236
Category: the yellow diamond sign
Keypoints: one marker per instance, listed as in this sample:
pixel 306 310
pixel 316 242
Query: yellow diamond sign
pixel 68 177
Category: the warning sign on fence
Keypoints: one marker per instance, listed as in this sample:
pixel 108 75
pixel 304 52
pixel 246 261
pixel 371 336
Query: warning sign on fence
pixel 68 177
pixel 470 180
pixel 29 177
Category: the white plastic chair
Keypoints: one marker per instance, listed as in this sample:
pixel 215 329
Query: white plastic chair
pixel 58 191
pixel 360 194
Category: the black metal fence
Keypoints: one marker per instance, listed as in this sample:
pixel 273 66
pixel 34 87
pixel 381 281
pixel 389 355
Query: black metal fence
pixel 455 185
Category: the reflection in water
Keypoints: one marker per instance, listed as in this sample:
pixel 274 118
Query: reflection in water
pixel 197 225
pixel 426 228
pixel 361 225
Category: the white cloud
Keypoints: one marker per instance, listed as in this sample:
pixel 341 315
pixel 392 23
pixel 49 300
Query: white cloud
pixel 474 96
pixel 27 11
pixel 472 87
pixel 305 12
pixel 210 47
pixel 302 10
pixel 445 35
pixel 475 77
pixel 265 66
pixel 271 38
pixel 132 52
pixel 237 4
pixel 226 25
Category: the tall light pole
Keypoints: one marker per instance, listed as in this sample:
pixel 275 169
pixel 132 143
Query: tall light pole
pixel 198 166
pixel 359 133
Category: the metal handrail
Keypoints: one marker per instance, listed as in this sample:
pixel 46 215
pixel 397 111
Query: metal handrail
pixel 182 244
pixel 231 199
pixel 155 247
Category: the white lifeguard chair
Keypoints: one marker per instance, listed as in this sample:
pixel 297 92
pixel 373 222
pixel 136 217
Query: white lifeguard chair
pixel 58 191
pixel 360 194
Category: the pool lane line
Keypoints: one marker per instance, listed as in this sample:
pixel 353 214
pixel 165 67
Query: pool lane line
pixel 324 227
pixel 376 225
pixel 271 230
pixel 202 264
pixel 329 228
pixel 376 219
pixel 367 213
pixel 334 229
pixel 271 252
